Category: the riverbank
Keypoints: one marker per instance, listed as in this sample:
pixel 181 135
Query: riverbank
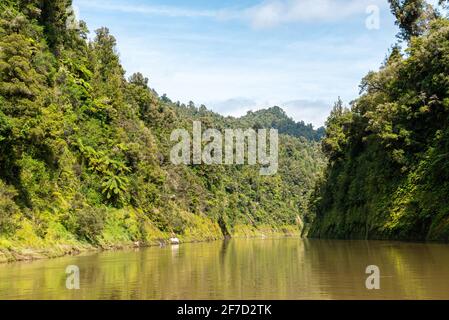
pixel 14 250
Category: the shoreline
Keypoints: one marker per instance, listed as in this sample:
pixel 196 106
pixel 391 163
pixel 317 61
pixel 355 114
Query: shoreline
pixel 30 254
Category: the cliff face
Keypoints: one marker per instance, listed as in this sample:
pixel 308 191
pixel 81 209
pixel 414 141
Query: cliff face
pixel 388 175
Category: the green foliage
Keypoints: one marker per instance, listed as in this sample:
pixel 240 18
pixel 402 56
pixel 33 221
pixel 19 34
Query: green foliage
pixel 90 223
pixel 412 17
pixel 114 186
pixel 277 118
pixel 9 211
pixel 388 172
pixel 85 152
pixel 5 127
pixel 335 139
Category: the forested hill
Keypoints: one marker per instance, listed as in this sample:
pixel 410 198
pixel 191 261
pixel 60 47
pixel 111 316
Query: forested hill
pixel 84 152
pixel 276 118
pixel 388 175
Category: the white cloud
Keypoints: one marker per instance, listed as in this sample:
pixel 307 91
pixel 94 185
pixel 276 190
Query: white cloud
pixel 309 111
pixel 233 107
pixel 268 13
pixel 274 12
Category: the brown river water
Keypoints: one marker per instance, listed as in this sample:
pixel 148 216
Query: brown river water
pixel 287 268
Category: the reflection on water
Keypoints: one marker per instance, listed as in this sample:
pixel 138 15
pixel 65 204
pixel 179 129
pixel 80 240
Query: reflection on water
pixel 241 269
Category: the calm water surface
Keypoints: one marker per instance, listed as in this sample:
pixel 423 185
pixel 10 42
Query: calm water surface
pixel 240 269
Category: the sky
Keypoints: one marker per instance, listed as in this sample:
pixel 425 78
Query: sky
pixel 236 56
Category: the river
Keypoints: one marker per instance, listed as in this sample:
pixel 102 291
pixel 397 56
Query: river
pixel 240 269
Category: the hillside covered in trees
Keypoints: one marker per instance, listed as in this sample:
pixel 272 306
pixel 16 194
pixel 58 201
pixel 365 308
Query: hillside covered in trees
pixel 277 118
pixel 84 152
pixel 388 173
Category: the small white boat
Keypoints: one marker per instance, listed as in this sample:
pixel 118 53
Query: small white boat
pixel 174 241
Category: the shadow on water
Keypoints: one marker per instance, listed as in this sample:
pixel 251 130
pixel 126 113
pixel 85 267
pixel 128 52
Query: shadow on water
pixel 241 269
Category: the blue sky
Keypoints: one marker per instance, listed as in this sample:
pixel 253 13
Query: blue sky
pixel 236 56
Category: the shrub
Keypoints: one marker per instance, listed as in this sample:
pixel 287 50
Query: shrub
pixel 8 209
pixel 90 223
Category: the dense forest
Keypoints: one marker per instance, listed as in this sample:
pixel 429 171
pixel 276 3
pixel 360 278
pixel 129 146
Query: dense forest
pixel 388 172
pixel 84 152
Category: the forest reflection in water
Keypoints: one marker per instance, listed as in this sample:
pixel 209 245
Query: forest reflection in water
pixel 287 268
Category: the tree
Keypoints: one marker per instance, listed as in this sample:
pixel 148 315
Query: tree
pixel 108 72
pixel 412 17
pixel 20 81
pixel 139 80
pixel 54 17
pixel 335 139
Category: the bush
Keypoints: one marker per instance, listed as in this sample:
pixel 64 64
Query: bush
pixel 90 223
pixel 8 209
